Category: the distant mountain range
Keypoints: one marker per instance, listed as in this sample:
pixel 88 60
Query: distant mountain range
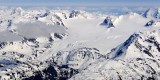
pixel 41 44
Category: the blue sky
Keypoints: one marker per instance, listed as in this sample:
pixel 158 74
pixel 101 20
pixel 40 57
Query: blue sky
pixel 82 2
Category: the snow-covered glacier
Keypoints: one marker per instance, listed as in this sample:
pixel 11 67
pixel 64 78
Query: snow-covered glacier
pixel 60 44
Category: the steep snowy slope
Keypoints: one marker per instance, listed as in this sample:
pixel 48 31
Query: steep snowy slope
pixel 152 13
pixel 152 23
pixel 20 48
pixel 136 58
pixel 78 58
pixel 29 35
pixel 43 44
pixel 108 23
pixel 23 39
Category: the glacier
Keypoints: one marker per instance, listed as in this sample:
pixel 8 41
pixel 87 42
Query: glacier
pixel 60 44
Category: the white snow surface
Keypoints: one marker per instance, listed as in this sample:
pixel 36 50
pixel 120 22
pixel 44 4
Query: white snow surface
pixel 34 36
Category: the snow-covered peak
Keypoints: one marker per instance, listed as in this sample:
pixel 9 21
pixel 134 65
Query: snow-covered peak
pixel 18 11
pixel 78 58
pixel 42 44
pixel 153 23
pixel 142 45
pixel 152 13
pixel 120 51
pixel 81 14
pixel 108 23
pixel 136 58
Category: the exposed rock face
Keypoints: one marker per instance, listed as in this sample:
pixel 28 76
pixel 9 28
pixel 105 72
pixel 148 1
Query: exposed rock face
pixel 121 50
pixel 81 14
pixel 33 46
pixel 153 23
pixel 140 50
pixel 74 14
pixel 60 67
pixel 146 44
pixel 133 59
pixel 29 35
pixel 108 23
pixel 78 58
pixel 53 72
pixel 18 54
pixel 150 23
pixel 152 13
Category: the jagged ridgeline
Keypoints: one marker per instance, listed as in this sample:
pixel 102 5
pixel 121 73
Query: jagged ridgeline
pixel 43 44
